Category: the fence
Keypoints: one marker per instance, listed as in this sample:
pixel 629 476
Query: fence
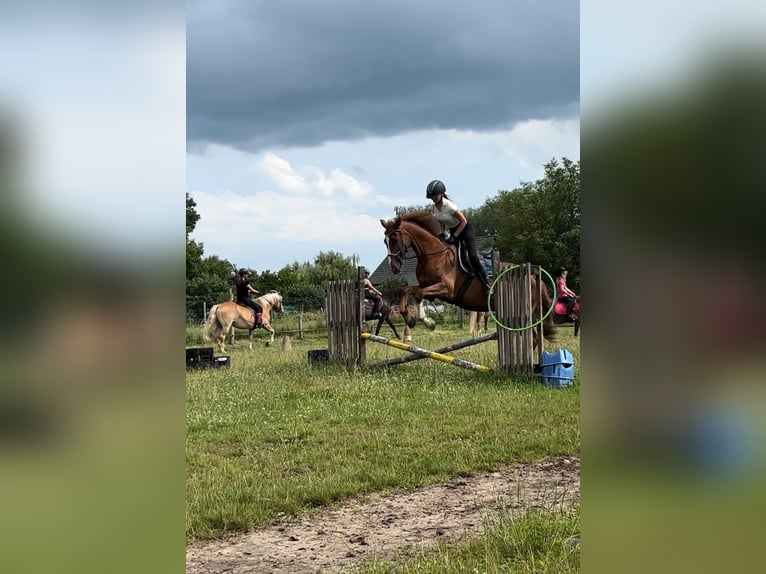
pixel 513 311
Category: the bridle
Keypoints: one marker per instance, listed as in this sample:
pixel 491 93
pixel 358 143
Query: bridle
pixel 400 255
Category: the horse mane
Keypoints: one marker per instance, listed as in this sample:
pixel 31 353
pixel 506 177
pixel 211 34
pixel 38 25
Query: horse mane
pixel 271 297
pixel 423 219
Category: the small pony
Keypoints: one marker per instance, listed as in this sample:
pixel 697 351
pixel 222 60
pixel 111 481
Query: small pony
pixel 223 316
pixel 384 316
pixel 560 314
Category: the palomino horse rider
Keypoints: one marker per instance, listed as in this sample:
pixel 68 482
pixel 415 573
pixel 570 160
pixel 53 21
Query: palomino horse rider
pixel 243 296
pixel 448 214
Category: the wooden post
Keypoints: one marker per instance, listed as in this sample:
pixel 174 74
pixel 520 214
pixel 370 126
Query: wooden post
pixel 300 325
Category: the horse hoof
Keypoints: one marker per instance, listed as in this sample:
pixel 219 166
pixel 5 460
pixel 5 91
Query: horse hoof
pixel 268 343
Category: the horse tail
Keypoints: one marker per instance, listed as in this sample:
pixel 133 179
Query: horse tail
pixel 549 330
pixel 210 330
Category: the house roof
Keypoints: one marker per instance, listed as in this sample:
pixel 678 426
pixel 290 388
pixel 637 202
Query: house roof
pixel 383 271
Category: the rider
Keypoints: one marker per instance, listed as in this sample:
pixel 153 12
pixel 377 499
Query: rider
pixel 564 293
pixel 371 293
pixel 243 295
pixel 449 215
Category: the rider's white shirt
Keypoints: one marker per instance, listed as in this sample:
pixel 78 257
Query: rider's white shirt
pixel 446 214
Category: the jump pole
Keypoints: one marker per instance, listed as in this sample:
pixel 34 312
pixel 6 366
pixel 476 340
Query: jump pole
pixel 445 349
pixel 426 354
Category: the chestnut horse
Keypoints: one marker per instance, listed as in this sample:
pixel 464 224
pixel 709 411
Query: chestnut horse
pixel 439 275
pixel 225 315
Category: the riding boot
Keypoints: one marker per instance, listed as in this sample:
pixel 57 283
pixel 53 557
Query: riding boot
pixel 375 310
pixel 484 280
pixel 258 322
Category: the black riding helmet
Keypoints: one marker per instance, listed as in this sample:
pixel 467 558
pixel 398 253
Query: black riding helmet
pixel 435 188
pixel 243 271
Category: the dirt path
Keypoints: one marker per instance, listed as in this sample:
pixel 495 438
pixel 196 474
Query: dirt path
pixel 338 539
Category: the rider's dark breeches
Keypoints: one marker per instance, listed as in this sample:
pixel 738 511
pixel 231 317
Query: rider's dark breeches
pixel 468 239
pixel 376 299
pixel 569 302
pixel 250 303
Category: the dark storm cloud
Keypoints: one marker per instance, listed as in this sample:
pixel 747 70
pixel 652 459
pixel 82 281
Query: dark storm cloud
pixel 263 73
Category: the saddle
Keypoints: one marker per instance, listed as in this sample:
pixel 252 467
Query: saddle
pixel 464 261
pixel 257 321
pixel 368 306
pixel 560 308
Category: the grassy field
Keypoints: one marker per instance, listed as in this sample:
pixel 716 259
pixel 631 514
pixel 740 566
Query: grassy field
pixel 537 543
pixel 272 436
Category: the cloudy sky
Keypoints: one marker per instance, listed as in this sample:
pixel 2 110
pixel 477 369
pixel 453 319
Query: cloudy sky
pixel 307 122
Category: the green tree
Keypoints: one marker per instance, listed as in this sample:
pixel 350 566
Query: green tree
pixel 193 249
pixel 331 266
pixel 208 279
pixel 539 222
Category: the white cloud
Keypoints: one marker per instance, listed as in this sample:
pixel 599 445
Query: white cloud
pixel 282 174
pixel 306 207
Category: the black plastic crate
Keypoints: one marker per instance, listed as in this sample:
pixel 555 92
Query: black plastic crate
pixel 199 357
pixel 319 356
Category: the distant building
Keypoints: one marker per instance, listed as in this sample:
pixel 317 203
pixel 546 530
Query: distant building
pixel 383 271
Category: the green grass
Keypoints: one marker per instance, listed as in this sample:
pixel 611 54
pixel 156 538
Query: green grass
pixel 272 436
pixel 537 542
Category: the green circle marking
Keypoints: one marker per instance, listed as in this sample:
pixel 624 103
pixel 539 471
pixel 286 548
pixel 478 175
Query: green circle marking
pixel 536 323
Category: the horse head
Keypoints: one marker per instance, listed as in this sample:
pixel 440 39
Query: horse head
pixel 396 244
pixel 276 301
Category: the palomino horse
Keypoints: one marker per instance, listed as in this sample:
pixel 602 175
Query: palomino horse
pixel 439 275
pixel 385 315
pixel 477 322
pixel 560 314
pixel 229 314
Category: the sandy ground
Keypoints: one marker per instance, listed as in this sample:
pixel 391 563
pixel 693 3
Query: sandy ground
pixel 384 525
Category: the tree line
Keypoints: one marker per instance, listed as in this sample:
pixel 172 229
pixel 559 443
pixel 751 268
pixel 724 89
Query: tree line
pixel 537 222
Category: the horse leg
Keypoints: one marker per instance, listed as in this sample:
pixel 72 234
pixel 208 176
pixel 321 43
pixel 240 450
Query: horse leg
pixel 404 308
pixel 393 328
pixel 427 321
pixel 380 324
pixel 421 312
pixel 250 339
pixel 270 330
pixel 221 338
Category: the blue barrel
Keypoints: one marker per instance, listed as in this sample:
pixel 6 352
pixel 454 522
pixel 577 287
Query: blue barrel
pixel 557 368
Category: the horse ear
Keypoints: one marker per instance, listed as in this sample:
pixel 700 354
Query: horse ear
pixel 386 223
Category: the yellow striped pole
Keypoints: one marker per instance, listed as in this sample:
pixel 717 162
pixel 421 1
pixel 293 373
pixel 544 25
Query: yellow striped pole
pixel 426 353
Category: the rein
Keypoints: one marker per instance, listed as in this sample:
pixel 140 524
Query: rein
pixel 403 256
